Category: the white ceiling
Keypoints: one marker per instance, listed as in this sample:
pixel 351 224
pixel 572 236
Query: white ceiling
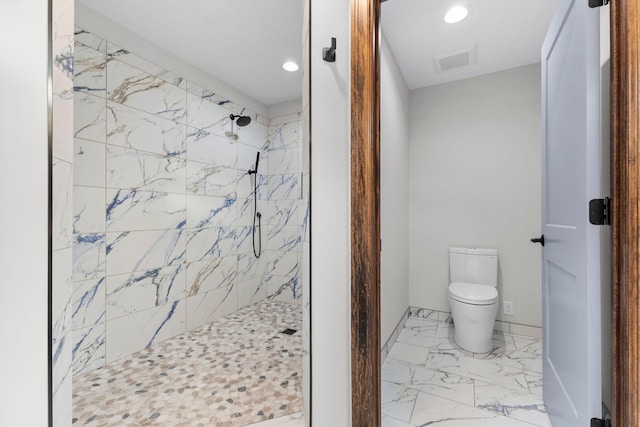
pixel 509 33
pixel 241 42
pixel 244 42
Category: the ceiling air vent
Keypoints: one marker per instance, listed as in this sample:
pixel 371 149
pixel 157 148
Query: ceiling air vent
pixel 459 58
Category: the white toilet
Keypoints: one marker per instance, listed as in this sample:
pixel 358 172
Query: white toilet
pixel 473 296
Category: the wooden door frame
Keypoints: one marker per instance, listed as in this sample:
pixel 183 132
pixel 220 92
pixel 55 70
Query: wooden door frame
pixel 365 212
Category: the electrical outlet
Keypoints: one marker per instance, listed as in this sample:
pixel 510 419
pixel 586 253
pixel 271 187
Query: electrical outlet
pixel 508 308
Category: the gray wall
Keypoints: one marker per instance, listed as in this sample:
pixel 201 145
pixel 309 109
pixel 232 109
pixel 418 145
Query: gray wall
pixel 394 193
pixel 475 181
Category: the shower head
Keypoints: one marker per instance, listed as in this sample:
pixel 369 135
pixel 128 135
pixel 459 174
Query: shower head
pixel 240 120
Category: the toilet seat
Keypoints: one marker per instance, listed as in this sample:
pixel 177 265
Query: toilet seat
pixel 473 293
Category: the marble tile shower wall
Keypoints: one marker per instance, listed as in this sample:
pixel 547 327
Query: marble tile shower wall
pixel 163 205
pixel 62 235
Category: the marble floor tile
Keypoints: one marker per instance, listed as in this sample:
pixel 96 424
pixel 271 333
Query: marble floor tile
pixel 293 420
pixel 235 371
pixel 455 388
pixel 409 353
pixel 504 401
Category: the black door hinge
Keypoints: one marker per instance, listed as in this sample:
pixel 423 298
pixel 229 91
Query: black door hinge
pixel 600 211
pixel 597 422
pixel 598 3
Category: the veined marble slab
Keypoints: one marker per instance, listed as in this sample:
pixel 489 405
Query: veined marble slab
pixel 131 293
pixel 131 251
pixel 144 210
pixel 131 128
pixel 140 170
pixel 211 273
pixel 211 242
pixel 138 89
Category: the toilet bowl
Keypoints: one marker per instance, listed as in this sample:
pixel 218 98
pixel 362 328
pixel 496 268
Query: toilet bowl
pixel 473 296
pixel 473 308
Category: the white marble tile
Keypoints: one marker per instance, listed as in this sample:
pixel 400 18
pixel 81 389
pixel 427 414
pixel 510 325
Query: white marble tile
pixel 89 253
pixel 116 52
pixel 255 134
pixel 250 267
pixel 206 115
pixel 247 158
pixel 246 185
pixel 90 66
pixel 133 169
pixel 211 273
pixel 152 325
pixel 89 163
pixel 523 360
pixel 62 346
pixel 535 383
pixel 211 96
pixel 62 412
pixel 283 238
pixel 132 210
pixel 409 353
pixel 442 384
pixel 210 211
pixel 213 149
pixel 388 421
pixel 89 117
pixel 283 161
pixel 132 128
pixel 293 420
pixel 282 263
pixel 62 226
pixel 520 405
pixel 246 213
pixel 131 251
pixel 283 213
pixel 90 39
pixel 130 293
pixel 398 401
pixel 89 347
pixel 209 306
pixel 489 371
pixel 281 288
pixel 529 345
pixel 438 412
pixel 211 180
pixel 211 242
pixel 416 336
pixel 62 126
pixel 283 187
pixel 138 89
pixel 423 313
pixel 88 210
pixel 251 291
pixel 284 135
pixel 88 302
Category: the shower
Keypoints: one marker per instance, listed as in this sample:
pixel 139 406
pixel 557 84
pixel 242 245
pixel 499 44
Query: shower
pixel 256 215
pixel 241 121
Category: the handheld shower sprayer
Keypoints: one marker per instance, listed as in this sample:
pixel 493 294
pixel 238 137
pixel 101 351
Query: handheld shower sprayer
pixel 252 171
pixel 257 249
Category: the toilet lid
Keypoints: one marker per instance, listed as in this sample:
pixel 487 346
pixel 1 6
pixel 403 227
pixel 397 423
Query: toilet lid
pixel 472 293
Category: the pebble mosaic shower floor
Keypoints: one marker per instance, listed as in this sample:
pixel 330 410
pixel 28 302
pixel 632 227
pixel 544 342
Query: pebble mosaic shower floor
pixel 236 371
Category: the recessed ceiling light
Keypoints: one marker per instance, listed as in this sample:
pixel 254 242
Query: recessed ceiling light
pixel 290 66
pixel 456 14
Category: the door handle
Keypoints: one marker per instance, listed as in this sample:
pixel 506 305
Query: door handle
pixel 538 240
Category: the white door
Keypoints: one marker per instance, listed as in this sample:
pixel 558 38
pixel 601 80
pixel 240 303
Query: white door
pixel 571 177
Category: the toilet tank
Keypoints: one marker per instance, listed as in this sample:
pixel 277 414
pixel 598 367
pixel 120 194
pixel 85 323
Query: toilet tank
pixel 473 265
